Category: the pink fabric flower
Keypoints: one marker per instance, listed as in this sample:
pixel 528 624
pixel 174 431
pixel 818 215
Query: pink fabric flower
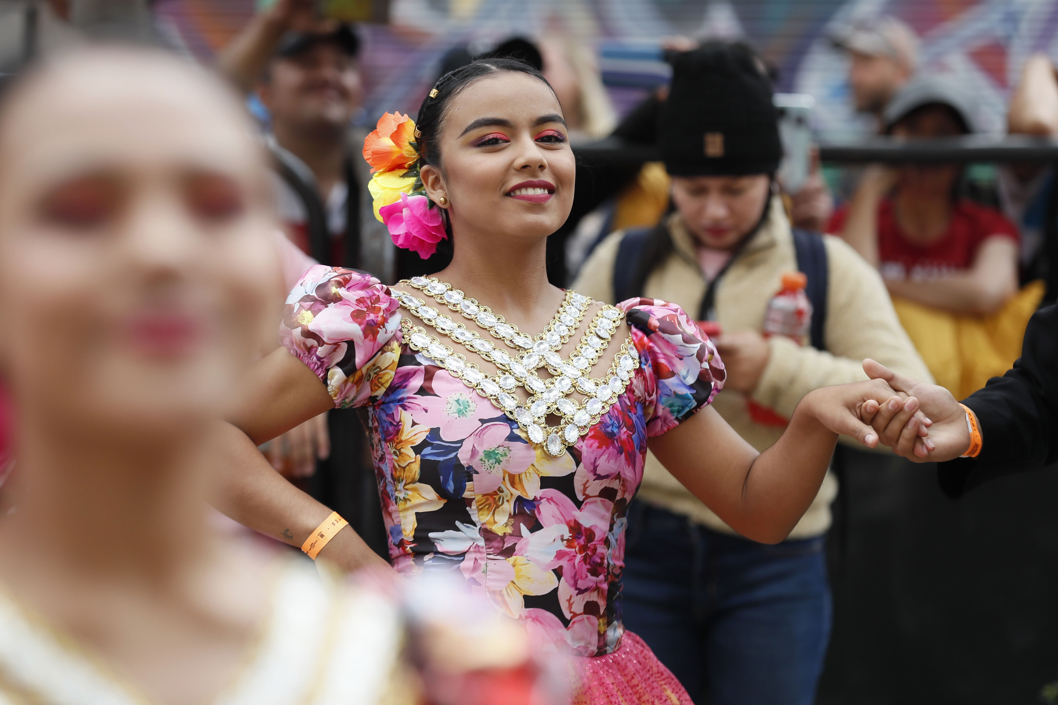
pixel 613 450
pixel 490 454
pixel 457 410
pixel 413 225
pixel 545 629
pixel 572 539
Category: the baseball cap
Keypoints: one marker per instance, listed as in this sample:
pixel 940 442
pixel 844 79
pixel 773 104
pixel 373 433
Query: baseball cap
pixel 883 35
pixel 345 36
pixel 931 90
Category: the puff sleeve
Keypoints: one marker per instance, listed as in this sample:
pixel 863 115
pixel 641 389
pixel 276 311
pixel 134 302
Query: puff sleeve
pixel 345 327
pixel 683 369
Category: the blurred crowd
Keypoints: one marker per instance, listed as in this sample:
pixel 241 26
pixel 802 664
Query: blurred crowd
pixel 916 265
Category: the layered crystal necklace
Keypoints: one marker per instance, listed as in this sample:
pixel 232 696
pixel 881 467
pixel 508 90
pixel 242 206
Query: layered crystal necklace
pixel 518 368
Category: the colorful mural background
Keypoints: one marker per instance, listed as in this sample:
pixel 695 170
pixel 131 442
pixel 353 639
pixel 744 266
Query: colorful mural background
pixel 981 44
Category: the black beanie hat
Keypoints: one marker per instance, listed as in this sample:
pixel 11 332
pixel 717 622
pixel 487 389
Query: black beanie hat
pixel 719 118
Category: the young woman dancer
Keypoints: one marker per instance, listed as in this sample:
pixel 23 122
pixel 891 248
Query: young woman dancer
pixel 503 452
pixel 135 261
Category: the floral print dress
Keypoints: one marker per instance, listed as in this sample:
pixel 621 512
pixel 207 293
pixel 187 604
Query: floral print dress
pixel 463 488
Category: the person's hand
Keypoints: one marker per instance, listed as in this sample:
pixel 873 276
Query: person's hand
pixel 879 179
pixel 680 43
pixel 841 408
pixel 745 355
pixel 294 454
pixel 298 16
pixel 812 206
pixel 948 436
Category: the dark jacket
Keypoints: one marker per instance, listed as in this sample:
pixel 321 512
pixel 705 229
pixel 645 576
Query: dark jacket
pixel 1018 414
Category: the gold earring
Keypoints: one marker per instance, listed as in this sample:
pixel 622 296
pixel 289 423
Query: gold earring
pixel 442 201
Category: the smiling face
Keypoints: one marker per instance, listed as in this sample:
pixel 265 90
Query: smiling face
pixel 506 168
pixel 319 88
pixel 134 212
pixel 720 210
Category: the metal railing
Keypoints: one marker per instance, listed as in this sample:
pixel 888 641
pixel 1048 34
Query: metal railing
pixel 970 149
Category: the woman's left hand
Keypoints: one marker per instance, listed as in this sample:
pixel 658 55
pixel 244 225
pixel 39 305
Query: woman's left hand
pixel 840 409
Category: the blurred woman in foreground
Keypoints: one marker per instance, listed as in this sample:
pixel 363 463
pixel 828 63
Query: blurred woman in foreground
pixel 134 257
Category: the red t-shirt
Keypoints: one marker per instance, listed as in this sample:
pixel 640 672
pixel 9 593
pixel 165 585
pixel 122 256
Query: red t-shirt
pixel 970 225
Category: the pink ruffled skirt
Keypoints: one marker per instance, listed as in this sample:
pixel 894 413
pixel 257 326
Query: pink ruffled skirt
pixel 632 675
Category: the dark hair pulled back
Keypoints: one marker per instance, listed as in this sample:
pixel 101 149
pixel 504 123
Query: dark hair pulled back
pixel 432 111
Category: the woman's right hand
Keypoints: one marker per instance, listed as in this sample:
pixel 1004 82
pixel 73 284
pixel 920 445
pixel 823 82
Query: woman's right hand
pixel 840 409
pixel 348 552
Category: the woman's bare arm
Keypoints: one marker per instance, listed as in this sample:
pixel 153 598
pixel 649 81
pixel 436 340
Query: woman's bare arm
pixel 861 222
pixel 282 393
pixel 1034 106
pixel 763 496
pixel 983 289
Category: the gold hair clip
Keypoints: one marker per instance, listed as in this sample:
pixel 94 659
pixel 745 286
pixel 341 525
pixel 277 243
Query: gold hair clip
pixel 433 93
pixel 418 133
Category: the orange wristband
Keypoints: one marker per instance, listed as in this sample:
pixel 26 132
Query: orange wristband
pixel 975 434
pixel 323 535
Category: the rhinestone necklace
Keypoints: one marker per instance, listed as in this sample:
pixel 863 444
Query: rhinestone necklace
pixel 530 415
pixel 558 331
pixel 545 397
pixel 523 369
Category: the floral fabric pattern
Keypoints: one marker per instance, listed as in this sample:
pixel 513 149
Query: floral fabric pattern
pixel 463 489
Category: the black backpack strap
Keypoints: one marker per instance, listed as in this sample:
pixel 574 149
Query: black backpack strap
pixel 629 253
pixel 812 261
pixel 352 218
pixel 315 212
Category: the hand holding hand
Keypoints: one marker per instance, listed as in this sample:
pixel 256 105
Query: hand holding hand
pixel 841 409
pixel 745 355
pixel 948 436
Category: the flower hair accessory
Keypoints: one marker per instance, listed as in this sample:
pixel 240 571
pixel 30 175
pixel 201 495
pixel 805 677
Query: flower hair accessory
pixel 400 199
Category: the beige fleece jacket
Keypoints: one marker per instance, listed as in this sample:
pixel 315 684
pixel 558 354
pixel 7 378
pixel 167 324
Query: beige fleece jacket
pixel 860 323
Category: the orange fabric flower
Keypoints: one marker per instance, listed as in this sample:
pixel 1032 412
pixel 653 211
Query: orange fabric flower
pixel 389 147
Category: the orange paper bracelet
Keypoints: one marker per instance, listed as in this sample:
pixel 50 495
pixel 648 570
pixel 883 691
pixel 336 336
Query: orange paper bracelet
pixel 975 433
pixel 323 535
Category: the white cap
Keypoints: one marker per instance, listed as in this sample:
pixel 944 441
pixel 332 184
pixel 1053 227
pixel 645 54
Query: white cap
pixel 882 35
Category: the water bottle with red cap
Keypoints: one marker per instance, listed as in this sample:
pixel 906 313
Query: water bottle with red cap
pixel 789 314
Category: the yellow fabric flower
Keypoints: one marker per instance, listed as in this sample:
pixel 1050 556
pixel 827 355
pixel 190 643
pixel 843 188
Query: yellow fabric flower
pixel 386 188
pixel 494 509
pixel 407 438
pixel 379 372
pixel 412 496
pixel 527 484
pixel 529 579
